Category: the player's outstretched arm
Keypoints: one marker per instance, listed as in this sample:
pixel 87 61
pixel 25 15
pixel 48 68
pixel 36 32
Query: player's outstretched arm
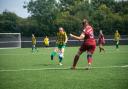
pixel 66 39
pixel 78 37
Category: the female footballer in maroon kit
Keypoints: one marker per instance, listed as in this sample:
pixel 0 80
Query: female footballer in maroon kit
pixel 88 45
pixel 101 41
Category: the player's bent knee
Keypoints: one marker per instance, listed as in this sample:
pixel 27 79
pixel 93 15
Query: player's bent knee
pixel 61 55
pixel 55 50
pixel 78 54
pixel 89 55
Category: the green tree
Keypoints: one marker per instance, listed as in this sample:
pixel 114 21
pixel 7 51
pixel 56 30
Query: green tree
pixel 44 12
pixel 8 22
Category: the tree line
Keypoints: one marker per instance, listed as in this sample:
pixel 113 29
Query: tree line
pixel 48 15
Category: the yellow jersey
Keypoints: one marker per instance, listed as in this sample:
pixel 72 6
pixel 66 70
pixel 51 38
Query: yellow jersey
pixel 117 36
pixel 46 41
pixel 61 38
pixel 33 41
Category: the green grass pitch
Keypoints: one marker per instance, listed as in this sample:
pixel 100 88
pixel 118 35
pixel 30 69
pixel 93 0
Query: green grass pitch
pixel 20 69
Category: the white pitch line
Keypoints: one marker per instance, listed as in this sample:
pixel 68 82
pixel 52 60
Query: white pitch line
pixel 47 53
pixel 125 66
pixel 24 54
pixel 15 70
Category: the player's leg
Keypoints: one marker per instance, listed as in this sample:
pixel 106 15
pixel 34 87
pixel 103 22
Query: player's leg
pixel 76 58
pixel 45 45
pixel 89 58
pixel 117 44
pixel 53 53
pixel 61 55
pixel 101 47
pixel 90 51
pixel 33 48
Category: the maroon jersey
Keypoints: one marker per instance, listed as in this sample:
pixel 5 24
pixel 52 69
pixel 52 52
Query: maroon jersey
pixel 89 43
pixel 101 39
pixel 89 35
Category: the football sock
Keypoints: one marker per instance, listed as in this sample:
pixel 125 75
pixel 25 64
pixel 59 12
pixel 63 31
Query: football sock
pixel 32 49
pixel 52 55
pixel 35 49
pixel 89 58
pixel 89 61
pixel 117 46
pixel 60 57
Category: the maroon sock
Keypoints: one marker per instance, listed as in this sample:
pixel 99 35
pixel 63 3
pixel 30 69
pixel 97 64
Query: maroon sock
pixel 89 60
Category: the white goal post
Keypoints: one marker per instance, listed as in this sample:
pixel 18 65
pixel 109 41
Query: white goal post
pixel 10 40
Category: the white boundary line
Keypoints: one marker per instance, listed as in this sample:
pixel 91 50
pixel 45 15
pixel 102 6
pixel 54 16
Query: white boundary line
pixel 67 68
pixel 48 54
pixel 10 48
pixel 29 41
pixel 25 54
pixel 10 33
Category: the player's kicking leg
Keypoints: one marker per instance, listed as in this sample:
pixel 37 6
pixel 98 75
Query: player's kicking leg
pixel 61 56
pixel 53 53
pixel 76 58
pixel 90 51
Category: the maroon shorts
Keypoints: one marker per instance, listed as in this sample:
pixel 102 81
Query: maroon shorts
pixel 101 42
pixel 88 48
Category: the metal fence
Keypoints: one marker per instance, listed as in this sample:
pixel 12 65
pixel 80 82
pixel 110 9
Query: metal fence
pixel 26 42
pixel 109 40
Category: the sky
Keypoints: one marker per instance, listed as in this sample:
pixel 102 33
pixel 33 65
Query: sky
pixel 15 6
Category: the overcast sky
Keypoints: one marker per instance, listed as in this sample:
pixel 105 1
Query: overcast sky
pixel 14 6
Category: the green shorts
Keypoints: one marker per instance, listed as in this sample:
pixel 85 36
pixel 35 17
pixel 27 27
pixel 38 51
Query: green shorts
pixel 61 46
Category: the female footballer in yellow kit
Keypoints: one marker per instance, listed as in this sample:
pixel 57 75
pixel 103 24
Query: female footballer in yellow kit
pixel 60 45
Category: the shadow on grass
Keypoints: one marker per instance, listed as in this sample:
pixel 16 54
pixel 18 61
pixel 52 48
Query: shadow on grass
pixel 43 64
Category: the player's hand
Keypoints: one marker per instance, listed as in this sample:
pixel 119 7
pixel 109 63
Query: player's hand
pixel 104 41
pixel 71 35
pixel 65 43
